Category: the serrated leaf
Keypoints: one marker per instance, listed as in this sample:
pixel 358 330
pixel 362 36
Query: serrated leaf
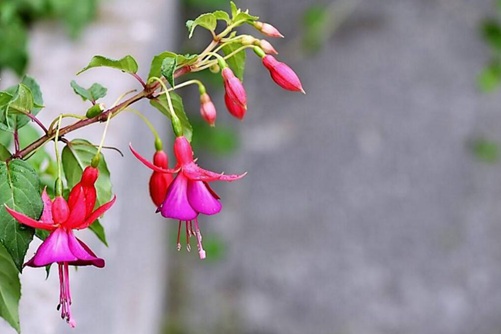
pixel 93 93
pixel 22 102
pixel 207 21
pixel 245 17
pixel 168 68
pixel 237 61
pixel 156 63
pixel 177 103
pixel 10 290
pixel 126 64
pixel 75 157
pixel 36 92
pixel 19 190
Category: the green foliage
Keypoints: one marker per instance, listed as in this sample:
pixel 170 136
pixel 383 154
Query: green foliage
pixel 158 61
pixel 207 21
pixel 76 156
pixel 177 103
pixel 315 22
pixel 127 64
pixel 10 290
pixel 489 78
pixel 485 150
pixel 220 140
pixel 168 68
pixel 92 94
pixel 17 101
pixel 19 190
pixel 237 62
pixel 17 16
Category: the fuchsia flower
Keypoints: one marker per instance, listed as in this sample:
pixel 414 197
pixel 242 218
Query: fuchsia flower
pixel 189 194
pixel 235 96
pixel 60 218
pixel 207 109
pixel 282 74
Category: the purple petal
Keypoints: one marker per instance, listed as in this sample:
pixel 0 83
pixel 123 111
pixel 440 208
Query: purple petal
pixel 176 204
pixel 54 249
pixel 83 253
pixel 202 199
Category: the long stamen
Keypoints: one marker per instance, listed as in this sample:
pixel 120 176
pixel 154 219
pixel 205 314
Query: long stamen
pixel 188 235
pixel 201 251
pixel 65 295
pixel 179 236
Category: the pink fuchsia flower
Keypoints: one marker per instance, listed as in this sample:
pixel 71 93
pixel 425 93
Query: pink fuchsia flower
pixel 234 89
pixel 207 109
pixel 267 29
pixel 159 182
pixel 282 74
pixel 189 194
pixel 61 246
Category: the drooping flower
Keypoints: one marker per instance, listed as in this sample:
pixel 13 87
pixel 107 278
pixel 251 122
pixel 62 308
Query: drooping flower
pixel 159 182
pixel 234 90
pixel 282 74
pixel 207 109
pixel 61 246
pixel 189 194
pixel 267 29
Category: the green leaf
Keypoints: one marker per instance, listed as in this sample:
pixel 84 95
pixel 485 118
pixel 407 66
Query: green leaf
pixel 237 61
pixel 489 78
pixel 27 135
pixel 10 290
pixel 485 150
pixel 168 68
pixel 156 63
pixel 222 15
pixel 4 153
pixel 126 64
pixel 177 103
pixel 316 21
pixel 19 190
pixel 75 157
pixel 95 92
pixel 207 21
pixel 22 102
pixel 234 9
pixel 36 92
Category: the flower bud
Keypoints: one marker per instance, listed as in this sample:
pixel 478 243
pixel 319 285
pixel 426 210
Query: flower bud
pixel 207 109
pixel 234 88
pixel 235 109
pixel 248 40
pixel 159 182
pixel 267 29
pixel 282 74
pixel 214 68
pixel 267 47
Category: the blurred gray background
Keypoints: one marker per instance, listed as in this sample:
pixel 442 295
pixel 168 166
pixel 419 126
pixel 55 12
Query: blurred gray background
pixel 365 209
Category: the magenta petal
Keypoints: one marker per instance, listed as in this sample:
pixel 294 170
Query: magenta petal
pixel 176 204
pixel 54 249
pixel 202 199
pixel 83 253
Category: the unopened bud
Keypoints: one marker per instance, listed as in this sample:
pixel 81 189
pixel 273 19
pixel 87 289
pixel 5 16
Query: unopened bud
pixel 215 68
pixel 95 110
pixel 248 40
pixel 234 88
pixel 267 47
pixel 282 74
pixel 235 109
pixel 267 29
pixel 207 109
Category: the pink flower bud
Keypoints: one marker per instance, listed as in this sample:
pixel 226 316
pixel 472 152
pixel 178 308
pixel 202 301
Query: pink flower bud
pixel 234 108
pixel 234 88
pixel 282 74
pixel 267 47
pixel 207 109
pixel 267 29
